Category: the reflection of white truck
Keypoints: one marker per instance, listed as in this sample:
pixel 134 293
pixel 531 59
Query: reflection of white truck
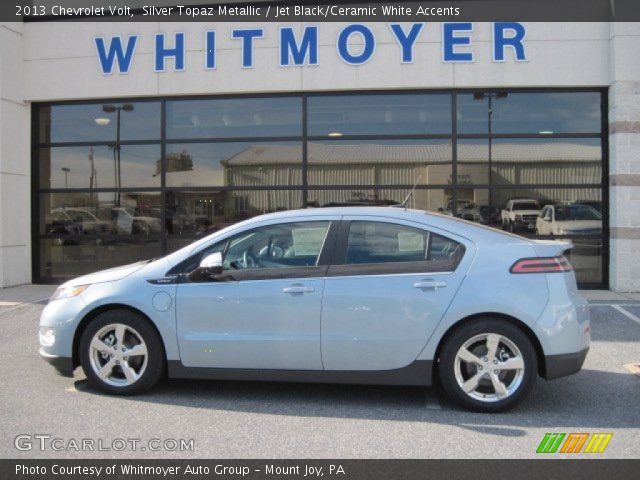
pixel 127 223
pixel 572 219
pixel 520 214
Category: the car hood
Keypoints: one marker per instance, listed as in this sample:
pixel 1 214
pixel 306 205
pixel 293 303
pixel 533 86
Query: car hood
pixel 110 275
pixel 526 212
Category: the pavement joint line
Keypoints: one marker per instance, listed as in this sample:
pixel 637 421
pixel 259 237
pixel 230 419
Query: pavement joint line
pixel 22 304
pixel 626 313
pixel 614 304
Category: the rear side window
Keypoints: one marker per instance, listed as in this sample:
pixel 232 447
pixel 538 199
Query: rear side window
pixel 379 242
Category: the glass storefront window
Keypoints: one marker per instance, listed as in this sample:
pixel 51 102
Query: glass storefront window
pixel 418 114
pixel 197 213
pixel 530 161
pixel 61 259
pixel 97 122
pixel 222 160
pixel 89 214
pixel 430 200
pixel 531 113
pixel 381 162
pixel 92 167
pixel 233 118
pixel 234 164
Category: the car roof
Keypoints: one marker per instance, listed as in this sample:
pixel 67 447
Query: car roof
pixel 454 225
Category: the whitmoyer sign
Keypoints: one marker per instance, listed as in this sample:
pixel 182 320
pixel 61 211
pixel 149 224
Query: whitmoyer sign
pixel 355 45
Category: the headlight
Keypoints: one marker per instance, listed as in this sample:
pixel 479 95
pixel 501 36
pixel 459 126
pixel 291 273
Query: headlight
pixel 47 336
pixel 68 292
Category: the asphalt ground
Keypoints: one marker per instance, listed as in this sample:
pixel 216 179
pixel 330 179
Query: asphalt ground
pixel 275 420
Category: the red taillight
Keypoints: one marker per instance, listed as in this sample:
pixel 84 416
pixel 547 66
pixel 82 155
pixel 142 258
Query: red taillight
pixel 541 265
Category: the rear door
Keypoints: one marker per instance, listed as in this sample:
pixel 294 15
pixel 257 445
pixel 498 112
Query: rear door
pixel 388 287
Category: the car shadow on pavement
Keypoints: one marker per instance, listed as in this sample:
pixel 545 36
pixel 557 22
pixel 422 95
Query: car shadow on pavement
pixel 590 399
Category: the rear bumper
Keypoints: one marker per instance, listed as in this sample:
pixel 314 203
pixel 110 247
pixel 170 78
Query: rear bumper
pixel 557 366
pixel 64 365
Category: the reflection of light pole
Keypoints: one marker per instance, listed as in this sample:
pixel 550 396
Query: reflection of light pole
pixel 490 96
pixel 127 107
pixel 66 171
pixel 93 177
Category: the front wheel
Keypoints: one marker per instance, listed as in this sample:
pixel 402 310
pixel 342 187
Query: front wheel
pixel 121 353
pixel 488 365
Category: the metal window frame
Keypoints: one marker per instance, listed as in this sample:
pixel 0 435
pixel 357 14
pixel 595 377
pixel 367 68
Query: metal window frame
pixel 305 138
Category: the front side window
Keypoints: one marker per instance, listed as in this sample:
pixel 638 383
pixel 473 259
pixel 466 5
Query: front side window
pixel 277 246
pixel 378 242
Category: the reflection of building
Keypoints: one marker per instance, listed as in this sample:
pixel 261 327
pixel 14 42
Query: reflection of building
pixel 175 162
pixel 342 163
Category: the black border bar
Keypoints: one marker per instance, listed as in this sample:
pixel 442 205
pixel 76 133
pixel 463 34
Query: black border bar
pixel 556 468
pixel 308 11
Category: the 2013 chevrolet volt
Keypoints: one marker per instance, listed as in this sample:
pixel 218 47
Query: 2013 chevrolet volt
pixel 375 295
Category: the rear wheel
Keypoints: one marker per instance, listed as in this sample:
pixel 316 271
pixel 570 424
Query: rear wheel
pixel 121 353
pixel 488 365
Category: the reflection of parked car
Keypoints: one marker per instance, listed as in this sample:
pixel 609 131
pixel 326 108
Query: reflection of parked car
pixel 468 210
pixel 401 297
pixel 180 221
pixel 75 221
pixel 592 203
pixel 573 219
pixel 127 223
pixel 520 214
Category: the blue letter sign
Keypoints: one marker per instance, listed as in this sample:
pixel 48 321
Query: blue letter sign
pixel 177 52
pixel 115 52
pixel 515 40
pixel 291 50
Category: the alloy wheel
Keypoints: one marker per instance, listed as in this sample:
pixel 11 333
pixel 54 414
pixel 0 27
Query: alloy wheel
pixel 118 355
pixel 489 367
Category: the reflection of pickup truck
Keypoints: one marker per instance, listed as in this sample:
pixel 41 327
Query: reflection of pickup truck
pixel 75 221
pixel 127 223
pixel 520 214
pixel 574 219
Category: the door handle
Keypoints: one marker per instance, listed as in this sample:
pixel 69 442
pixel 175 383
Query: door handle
pixel 298 289
pixel 435 284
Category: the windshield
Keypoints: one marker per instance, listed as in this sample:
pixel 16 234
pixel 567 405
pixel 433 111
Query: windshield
pixel 577 212
pixel 526 206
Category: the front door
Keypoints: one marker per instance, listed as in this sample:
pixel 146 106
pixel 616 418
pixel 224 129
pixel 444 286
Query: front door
pixel 386 292
pixel 263 312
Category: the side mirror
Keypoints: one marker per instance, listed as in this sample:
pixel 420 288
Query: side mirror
pixel 209 267
pixel 211 264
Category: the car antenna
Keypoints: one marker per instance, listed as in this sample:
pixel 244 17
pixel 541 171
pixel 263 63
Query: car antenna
pixel 406 199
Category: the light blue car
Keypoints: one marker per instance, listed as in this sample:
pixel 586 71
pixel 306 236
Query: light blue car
pixel 374 295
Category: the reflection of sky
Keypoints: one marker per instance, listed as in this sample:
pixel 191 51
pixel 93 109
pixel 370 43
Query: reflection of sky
pixel 558 112
pixel 137 164
pixel 76 123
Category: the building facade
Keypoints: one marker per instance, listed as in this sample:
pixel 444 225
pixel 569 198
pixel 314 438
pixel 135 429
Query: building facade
pixel 125 141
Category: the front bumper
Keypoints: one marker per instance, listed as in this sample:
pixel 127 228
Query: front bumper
pixel 557 366
pixel 64 365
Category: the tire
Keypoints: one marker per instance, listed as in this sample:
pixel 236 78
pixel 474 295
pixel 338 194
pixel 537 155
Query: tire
pixel 510 227
pixel 513 346
pixel 136 363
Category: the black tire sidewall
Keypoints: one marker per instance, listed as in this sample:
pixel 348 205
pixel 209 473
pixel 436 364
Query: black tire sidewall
pixel 475 327
pixel 155 353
